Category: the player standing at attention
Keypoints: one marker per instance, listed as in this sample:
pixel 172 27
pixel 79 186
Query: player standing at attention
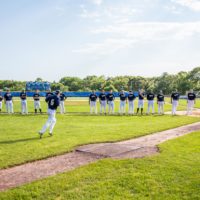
pixel 53 103
pixel 140 101
pixel 150 99
pixel 131 98
pixel 93 102
pixel 102 100
pixel 24 108
pixel 8 98
pixel 36 98
pixel 160 102
pixel 62 103
pixel 1 100
pixel 110 100
pixel 191 97
pixel 122 106
pixel 174 100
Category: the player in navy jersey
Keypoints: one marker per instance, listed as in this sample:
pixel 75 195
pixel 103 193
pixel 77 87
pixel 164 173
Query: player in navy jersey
pixel 160 102
pixel 8 98
pixel 141 96
pixel 24 109
pixel 53 102
pixel 36 97
pixel 62 103
pixel 131 97
pixel 122 106
pixel 48 93
pixel 1 100
pixel 102 100
pixel 110 100
pixel 93 102
pixel 174 100
pixel 150 99
pixel 191 97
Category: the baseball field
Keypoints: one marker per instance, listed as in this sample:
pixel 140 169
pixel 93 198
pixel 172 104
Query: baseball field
pixel 173 173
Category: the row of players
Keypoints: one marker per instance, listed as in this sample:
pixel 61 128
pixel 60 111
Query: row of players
pixel 105 99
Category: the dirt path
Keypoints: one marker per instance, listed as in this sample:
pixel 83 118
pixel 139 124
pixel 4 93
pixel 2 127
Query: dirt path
pixel 134 148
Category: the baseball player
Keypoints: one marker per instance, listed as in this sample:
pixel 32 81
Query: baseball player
pixel 110 100
pixel 102 100
pixel 122 106
pixel 36 98
pixel 131 98
pixel 53 103
pixel 48 93
pixel 140 101
pixel 174 100
pixel 1 100
pixel 191 98
pixel 8 98
pixel 160 102
pixel 150 99
pixel 93 102
pixel 23 96
pixel 62 103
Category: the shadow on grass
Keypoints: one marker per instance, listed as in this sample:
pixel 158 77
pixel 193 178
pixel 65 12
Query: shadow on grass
pixel 19 140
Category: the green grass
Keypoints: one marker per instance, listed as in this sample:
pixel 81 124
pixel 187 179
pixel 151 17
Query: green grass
pixel 172 175
pixel 20 143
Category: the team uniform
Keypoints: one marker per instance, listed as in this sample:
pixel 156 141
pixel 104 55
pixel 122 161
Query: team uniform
pixel 150 98
pixel 24 108
pixel 131 97
pixel 93 103
pixel 161 101
pixel 122 106
pixel 140 102
pixel 53 102
pixel 62 103
pixel 36 98
pixel 110 99
pixel 102 100
pixel 1 102
pixel 175 98
pixel 190 102
pixel 9 103
pixel 47 95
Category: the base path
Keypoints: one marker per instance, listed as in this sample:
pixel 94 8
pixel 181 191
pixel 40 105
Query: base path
pixel 134 148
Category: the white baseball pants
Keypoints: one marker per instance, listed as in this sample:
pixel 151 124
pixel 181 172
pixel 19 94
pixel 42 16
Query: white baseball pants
pixel 160 107
pixel 62 107
pixel 93 107
pixel 51 121
pixel 1 105
pixel 190 106
pixel 174 106
pixel 24 108
pixel 131 107
pixel 140 103
pixel 111 107
pixel 37 104
pixel 150 106
pixel 9 106
pixel 122 107
pixel 103 106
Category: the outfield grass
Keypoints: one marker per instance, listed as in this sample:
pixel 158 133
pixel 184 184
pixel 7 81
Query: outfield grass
pixel 172 175
pixel 20 143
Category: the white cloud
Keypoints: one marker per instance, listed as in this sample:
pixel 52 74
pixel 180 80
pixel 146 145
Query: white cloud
pixel 192 4
pixel 125 35
pixel 97 2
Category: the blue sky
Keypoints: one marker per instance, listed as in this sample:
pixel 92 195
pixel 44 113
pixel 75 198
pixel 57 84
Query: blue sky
pixel 56 38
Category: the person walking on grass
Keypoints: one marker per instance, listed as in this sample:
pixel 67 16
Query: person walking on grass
pixel 53 102
pixel 191 100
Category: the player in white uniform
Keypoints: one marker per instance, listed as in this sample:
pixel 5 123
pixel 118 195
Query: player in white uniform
pixel 102 100
pixel 122 106
pixel 174 100
pixel 150 99
pixel 130 99
pixel 110 100
pixel 93 102
pixel 36 98
pixel 191 98
pixel 160 102
pixel 24 109
pixel 140 101
pixel 1 100
pixel 8 98
pixel 62 103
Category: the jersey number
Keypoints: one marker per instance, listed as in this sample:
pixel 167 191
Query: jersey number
pixel 52 102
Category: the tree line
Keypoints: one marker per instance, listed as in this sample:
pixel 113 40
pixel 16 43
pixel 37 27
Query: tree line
pixel 182 81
